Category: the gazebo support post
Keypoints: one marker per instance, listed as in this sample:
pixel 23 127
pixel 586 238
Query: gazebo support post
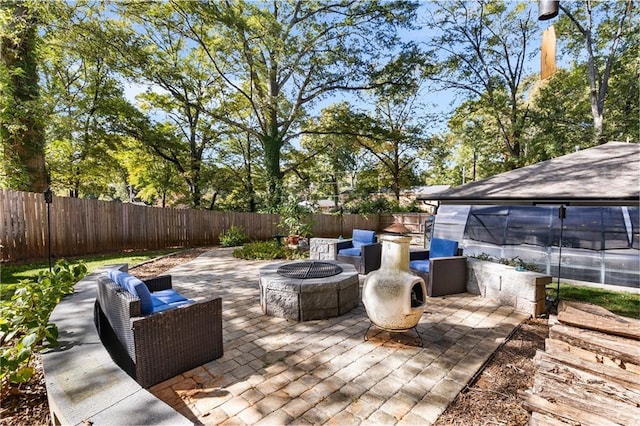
pixel 562 214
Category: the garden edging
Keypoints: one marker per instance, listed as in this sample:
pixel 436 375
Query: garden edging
pixel 83 382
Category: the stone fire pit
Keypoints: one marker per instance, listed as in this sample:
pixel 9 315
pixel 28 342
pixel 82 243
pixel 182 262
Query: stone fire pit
pixel 308 290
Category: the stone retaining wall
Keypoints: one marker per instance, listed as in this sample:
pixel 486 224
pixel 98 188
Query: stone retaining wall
pixel 523 290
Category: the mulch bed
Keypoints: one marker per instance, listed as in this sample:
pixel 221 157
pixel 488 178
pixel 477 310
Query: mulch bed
pixel 26 405
pixel 492 399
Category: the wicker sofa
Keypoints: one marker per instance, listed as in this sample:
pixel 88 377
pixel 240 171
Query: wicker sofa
pixel 155 346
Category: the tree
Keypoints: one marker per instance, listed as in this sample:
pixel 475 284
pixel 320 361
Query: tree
pixel 182 90
pixel 154 179
pixel 560 110
pixel 397 132
pixel 330 153
pixel 81 96
pixel 284 57
pixel 605 32
pixel 482 51
pixel 240 157
pixel 21 129
pixel 442 162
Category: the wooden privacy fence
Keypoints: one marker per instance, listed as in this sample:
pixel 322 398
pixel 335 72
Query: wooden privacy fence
pixel 80 226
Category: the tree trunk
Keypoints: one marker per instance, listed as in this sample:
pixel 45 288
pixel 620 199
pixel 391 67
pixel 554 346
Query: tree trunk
pixel 272 145
pixel 21 129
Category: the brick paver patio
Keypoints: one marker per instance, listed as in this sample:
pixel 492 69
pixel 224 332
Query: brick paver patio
pixel 277 372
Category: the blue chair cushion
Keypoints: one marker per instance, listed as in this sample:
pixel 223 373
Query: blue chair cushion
pixel 352 251
pixel 361 237
pixel 420 265
pixel 134 286
pixel 442 248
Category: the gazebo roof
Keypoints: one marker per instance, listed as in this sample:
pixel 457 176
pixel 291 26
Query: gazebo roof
pixel 606 174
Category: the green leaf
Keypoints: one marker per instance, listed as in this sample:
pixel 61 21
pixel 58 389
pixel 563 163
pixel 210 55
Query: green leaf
pixel 22 375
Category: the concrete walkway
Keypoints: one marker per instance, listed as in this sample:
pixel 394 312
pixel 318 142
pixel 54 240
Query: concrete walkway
pixel 277 372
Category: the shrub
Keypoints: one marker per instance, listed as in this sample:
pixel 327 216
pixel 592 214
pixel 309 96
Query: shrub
pixel 233 237
pixel 24 320
pixel 267 250
pixel 295 219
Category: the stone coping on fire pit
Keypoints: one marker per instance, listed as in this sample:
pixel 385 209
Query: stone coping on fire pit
pixel 311 298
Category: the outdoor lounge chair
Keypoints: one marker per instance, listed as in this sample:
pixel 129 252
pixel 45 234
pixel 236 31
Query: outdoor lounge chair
pixel 362 251
pixel 442 267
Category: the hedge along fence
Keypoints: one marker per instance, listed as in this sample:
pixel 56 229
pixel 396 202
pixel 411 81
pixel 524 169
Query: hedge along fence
pixel 81 226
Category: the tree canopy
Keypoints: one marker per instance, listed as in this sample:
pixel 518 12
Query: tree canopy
pixel 242 104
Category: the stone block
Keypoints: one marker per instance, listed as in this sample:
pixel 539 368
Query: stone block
pixel 532 308
pixel 283 304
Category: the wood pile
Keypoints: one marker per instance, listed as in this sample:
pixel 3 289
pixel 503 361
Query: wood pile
pixel 589 373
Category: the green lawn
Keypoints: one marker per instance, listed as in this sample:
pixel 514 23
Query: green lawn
pixel 11 274
pixel 625 304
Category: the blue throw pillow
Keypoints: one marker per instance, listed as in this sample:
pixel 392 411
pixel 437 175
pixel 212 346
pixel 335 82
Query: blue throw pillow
pixel 443 248
pixel 136 287
pixel 117 276
pixel 141 290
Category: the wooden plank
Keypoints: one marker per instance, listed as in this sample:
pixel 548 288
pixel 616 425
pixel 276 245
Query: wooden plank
pixel 591 317
pixel 541 419
pixel 4 215
pixel 580 397
pixel 558 346
pixel 6 239
pixel 21 245
pixel 610 371
pixel 564 411
pixel 624 350
pixel 31 227
pixel 615 389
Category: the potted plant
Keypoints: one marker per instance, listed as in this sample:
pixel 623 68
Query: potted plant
pixel 295 220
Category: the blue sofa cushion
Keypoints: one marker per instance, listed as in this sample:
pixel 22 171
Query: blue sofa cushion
pixel 420 265
pixel 361 237
pixel 166 306
pixel 134 286
pixel 168 296
pixel 442 248
pixel 164 300
pixel 352 251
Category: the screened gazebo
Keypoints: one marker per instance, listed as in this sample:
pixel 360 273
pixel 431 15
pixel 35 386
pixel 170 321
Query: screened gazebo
pixel 517 214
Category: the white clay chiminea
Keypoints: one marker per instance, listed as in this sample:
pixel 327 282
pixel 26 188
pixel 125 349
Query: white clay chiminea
pixel 393 297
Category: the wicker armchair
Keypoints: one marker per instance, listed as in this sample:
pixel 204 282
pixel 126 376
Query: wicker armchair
pixel 152 348
pixel 362 251
pixel 443 267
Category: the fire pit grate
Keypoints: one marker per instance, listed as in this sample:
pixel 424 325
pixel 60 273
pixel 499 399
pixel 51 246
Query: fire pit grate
pixel 312 269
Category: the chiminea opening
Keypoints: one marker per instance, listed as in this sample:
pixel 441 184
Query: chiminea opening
pixel 417 296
